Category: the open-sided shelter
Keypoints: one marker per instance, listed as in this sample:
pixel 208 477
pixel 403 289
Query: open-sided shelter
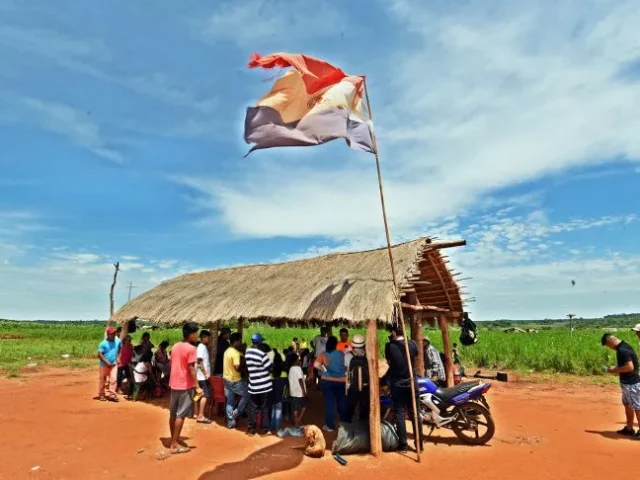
pixel 344 288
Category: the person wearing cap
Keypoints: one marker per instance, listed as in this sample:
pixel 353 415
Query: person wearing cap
pixel 400 383
pixel 357 379
pixel 627 371
pixel 434 369
pixel 109 355
pixel 183 381
pixel 223 344
pixel 260 382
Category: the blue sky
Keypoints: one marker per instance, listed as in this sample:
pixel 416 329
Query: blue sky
pixel 511 124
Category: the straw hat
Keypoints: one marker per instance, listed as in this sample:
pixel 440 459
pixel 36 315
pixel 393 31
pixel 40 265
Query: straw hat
pixel 358 341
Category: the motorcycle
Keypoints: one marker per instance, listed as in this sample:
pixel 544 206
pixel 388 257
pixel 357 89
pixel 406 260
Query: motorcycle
pixel 462 409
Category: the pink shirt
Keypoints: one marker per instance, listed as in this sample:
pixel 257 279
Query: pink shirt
pixel 182 354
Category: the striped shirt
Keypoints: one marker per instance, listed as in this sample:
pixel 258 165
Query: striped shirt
pixel 259 367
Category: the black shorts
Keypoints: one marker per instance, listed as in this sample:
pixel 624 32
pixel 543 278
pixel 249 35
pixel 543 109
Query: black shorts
pixel 206 389
pixel 298 403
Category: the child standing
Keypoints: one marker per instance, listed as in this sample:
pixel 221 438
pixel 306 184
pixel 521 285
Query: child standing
pixel 297 389
pixel 280 383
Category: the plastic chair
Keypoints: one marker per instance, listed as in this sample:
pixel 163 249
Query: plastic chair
pixel 219 400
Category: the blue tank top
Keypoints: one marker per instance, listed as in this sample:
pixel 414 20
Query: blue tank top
pixel 335 369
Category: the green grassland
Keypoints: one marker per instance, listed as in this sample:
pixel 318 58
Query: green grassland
pixel 552 349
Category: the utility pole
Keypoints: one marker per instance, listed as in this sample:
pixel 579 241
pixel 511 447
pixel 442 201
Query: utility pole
pixel 571 316
pixel 131 287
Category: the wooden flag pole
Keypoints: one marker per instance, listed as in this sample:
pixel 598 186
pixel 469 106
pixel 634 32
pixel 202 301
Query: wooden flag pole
pixel 416 414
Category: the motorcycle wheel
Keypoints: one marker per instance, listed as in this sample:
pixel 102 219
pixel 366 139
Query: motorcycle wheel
pixel 472 417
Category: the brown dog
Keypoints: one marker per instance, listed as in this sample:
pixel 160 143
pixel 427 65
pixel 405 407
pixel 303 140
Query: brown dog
pixel 316 444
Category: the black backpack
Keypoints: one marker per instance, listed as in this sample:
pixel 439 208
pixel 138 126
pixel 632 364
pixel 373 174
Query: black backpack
pixel 358 374
pixel 469 333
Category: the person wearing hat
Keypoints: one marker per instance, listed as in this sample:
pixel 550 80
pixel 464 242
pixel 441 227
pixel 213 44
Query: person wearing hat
pixel 223 344
pixel 260 383
pixel 357 379
pixel 109 354
pixel 637 330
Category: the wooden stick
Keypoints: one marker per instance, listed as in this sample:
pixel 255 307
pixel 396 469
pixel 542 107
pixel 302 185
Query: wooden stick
pixel 113 287
pixel 416 331
pixel 213 345
pixel 450 244
pixel 371 347
pixel 448 363
pixel 241 326
pixel 395 283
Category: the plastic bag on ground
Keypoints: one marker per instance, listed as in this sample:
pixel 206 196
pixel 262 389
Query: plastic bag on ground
pixel 353 438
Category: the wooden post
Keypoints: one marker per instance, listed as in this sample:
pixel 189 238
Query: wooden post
pixel 125 330
pixel 416 336
pixel 371 347
pixel 448 362
pixel 111 291
pixel 241 326
pixel 213 345
pixel 416 332
pixel 416 424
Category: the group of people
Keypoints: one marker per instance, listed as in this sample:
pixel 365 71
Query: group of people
pixel 260 382
pixel 137 370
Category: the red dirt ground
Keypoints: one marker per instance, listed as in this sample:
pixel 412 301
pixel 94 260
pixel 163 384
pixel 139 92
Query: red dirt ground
pixel 544 431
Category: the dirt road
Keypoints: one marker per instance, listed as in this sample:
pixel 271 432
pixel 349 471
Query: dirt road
pixel 52 429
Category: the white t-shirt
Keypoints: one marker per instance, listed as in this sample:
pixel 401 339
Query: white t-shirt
pixel 320 345
pixel 202 352
pixel 295 375
pixel 140 373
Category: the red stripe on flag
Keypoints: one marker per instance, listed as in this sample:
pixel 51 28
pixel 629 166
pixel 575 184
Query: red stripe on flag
pixel 316 74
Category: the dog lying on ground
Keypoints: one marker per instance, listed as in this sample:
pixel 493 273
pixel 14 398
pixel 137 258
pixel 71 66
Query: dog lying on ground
pixel 316 444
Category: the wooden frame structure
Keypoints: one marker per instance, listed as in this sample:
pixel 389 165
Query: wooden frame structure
pixel 350 288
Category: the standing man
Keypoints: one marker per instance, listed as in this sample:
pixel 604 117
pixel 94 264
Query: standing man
pixel 223 344
pixel 627 370
pixel 319 345
pixel 234 385
pixel 203 374
pixel 260 383
pixel 434 369
pixel 400 383
pixel 109 355
pixel 357 379
pixel 182 381
pixel 344 345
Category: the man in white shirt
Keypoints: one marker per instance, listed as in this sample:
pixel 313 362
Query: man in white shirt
pixel 203 372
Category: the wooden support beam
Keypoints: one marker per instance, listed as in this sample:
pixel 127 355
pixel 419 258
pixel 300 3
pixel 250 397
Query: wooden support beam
pixel 416 330
pixel 371 347
pixel 450 244
pixel 241 326
pixel 213 345
pixel 422 308
pixel 448 356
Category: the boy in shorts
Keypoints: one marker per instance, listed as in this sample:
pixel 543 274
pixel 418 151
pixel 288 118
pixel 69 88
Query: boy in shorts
pixel 297 389
pixel 204 372
pixel 182 381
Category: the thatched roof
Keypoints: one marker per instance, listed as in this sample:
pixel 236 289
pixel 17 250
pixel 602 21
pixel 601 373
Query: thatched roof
pixel 344 287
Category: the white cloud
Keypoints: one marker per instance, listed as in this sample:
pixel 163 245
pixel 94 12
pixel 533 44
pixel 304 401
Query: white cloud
pixel 74 124
pixel 485 99
pixel 252 22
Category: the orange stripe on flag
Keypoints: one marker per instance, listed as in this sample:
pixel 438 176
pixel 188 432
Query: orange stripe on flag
pixel 316 74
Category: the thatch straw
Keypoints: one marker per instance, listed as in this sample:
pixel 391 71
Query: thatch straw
pixel 346 287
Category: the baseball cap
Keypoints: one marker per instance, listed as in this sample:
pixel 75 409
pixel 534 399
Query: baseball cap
pixel 257 338
pixel 357 341
pixel 111 331
pixel 636 328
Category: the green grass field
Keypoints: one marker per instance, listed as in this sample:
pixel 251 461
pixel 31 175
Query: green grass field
pixel 551 350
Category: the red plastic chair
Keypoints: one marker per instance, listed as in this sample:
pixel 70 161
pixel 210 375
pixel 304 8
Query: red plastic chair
pixel 219 401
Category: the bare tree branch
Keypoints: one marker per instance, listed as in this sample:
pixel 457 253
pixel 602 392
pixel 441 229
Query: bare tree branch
pixel 113 287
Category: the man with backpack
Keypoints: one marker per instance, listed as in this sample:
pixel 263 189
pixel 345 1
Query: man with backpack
pixel 400 383
pixel 357 379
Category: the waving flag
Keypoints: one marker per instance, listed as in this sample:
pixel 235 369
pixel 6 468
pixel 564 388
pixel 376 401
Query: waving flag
pixel 313 103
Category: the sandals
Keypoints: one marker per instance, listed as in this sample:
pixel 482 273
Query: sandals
pixel 205 421
pixel 179 450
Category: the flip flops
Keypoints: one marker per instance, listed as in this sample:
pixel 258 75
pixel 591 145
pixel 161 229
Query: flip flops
pixel 180 450
pixel 205 421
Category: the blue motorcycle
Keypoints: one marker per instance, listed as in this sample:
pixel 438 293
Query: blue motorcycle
pixel 462 408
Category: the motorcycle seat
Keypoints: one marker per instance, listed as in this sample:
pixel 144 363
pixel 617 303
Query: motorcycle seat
pixel 446 394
